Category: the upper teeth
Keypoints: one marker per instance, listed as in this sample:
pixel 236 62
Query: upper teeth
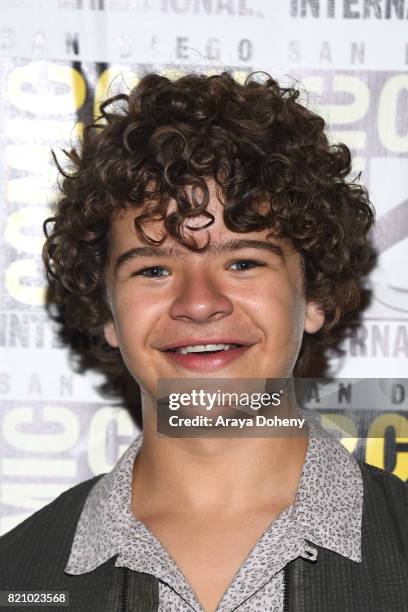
pixel 200 348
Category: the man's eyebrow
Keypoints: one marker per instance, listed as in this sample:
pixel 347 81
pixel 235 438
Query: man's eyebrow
pixel 214 248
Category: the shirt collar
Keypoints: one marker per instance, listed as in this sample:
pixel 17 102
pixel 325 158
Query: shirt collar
pixel 105 516
pixel 327 510
pixel 329 500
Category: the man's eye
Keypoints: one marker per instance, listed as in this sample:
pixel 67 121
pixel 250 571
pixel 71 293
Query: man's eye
pixel 246 264
pixel 153 272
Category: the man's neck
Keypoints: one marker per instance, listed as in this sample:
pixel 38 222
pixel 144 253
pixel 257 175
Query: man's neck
pixel 197 474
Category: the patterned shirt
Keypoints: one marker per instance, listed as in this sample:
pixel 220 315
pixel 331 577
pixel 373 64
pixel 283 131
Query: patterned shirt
pixel 327 512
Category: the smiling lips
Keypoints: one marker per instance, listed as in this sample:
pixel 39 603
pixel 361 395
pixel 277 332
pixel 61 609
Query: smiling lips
pixel 206 356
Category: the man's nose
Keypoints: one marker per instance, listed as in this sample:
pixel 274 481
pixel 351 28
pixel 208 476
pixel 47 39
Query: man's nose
pixel 200 299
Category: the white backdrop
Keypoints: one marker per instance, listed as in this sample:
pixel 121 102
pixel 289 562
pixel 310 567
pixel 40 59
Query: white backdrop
pixel 58 58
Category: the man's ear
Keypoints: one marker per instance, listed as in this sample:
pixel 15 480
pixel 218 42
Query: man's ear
pixel 314 319
pixel 109 331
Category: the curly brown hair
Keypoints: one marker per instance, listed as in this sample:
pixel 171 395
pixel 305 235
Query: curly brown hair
pixel 164 140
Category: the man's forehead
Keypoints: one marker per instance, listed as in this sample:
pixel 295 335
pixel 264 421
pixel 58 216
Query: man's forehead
pixel 204 233
pixel 126 219
pixel 215 202
pixel 214 236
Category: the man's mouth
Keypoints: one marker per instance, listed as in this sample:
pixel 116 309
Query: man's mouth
pixel 204 348
pixel 206 356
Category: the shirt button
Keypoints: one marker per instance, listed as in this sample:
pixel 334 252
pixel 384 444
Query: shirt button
pixel 309 553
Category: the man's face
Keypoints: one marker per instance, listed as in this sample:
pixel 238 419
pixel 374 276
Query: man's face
pixel 236 310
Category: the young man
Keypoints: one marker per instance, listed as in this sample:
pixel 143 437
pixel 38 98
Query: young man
pixel 207 230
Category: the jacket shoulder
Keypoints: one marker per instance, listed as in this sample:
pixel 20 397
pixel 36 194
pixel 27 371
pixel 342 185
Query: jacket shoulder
pixel 385 500
pixel 45 536
pixel 376 477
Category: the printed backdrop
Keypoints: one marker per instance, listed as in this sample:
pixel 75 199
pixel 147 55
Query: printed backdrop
pixel 58 59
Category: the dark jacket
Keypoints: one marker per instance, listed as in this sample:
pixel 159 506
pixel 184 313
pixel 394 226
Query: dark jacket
pixel 34 554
